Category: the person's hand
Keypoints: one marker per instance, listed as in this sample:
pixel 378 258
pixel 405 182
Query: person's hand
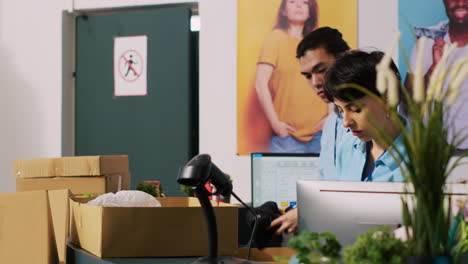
pixel 282 129
pixel 287 222
pixel 437 51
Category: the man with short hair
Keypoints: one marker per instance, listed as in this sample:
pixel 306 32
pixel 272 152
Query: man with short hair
pixel 316 52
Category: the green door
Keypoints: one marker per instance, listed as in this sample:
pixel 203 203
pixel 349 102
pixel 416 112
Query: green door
pixel 156 130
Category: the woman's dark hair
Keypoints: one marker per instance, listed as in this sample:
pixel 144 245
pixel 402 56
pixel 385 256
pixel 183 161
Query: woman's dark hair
pixel 309 25
pixel 355 67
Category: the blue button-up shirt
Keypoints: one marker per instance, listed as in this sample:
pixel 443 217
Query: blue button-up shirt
pixel 332 136
pixel 351 160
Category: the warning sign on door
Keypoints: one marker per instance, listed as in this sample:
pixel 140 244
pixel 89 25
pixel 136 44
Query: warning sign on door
pixel 130 55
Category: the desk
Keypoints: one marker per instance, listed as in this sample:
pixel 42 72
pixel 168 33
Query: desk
pixel 76 255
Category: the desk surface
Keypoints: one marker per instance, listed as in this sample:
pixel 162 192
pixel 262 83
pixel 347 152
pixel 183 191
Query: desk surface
pixel 77 255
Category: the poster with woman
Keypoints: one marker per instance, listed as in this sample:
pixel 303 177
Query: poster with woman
pixel 441 22
pixel 274 101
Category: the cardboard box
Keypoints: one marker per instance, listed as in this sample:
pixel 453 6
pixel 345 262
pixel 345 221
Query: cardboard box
pixel 77 185
pixel 80 174
pixel 178 228
pixel 70 166
pixel 34 227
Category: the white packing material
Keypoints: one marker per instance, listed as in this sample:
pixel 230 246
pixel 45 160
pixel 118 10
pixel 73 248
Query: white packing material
pixel 126 199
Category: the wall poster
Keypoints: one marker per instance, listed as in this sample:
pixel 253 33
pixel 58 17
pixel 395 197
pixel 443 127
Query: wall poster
pixel 264 29
pixel 441 22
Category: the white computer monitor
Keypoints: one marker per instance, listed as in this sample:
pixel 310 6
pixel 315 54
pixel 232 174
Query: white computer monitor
pixel 350 208
pixel 274 176
pixel 460 173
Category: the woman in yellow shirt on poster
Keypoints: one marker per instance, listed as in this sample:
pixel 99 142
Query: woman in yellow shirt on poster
pixel 295 113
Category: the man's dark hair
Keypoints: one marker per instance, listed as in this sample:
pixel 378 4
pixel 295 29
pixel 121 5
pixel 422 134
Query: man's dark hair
pixel 355 67
pixel 325 37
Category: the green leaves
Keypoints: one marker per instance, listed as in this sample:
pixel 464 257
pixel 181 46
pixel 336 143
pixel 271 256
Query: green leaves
pixel 147 188
pixel 460 228
pixel 314 247
pixel 377 246
pixel 188 190
pixel 427 169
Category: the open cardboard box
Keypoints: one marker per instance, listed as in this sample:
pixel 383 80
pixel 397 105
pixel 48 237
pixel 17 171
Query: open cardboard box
pixel 177 228
pixel 79 174
pixel 34 227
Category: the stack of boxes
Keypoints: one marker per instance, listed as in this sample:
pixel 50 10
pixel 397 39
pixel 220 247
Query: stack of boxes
pixel 36 222
pixel 80 174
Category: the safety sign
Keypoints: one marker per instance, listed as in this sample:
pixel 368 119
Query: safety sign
pixel 130 61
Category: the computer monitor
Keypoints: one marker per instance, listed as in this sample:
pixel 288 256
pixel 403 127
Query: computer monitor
pixel 274 176
pixel 350 208
pixel 459 174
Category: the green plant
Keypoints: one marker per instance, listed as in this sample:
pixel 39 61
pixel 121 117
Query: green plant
pixel 151 187
pixel 460 228
pixel 188 190
pixel 429 148
pixel 377 246
pixel 90 195
pixel 314 248
pixel 147 188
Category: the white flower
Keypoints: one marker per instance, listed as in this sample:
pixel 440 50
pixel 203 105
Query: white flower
pixel 460 71
pixel 386 79
pixel 392 81
pixel 418 82
pixel 436 80
pixel 378 235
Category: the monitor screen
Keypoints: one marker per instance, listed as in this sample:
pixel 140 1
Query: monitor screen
pixel 274 176
pixel 351 208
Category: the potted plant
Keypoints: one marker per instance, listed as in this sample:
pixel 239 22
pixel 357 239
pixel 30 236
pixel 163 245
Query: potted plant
pixel 460 228
pixel 188 190
pixel 314 248
pixel 378 245
pixel 429 149
pixel 151 187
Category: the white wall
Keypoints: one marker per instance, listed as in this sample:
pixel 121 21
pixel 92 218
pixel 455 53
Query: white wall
pixel 30 81
pixel 31 77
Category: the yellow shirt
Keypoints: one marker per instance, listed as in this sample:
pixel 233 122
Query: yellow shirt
pixel 294 100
